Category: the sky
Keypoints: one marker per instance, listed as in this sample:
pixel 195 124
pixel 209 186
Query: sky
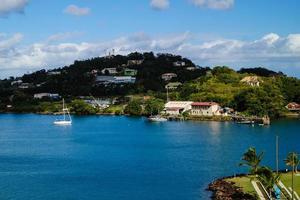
pixel 37 34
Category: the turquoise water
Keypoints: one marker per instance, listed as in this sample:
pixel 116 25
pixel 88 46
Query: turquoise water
pixel 107 158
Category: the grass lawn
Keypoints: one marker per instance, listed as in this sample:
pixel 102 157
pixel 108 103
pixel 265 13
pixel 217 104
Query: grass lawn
pixel 287 181
pixel 244 183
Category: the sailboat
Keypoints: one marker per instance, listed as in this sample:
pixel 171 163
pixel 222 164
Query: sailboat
pixel 64 121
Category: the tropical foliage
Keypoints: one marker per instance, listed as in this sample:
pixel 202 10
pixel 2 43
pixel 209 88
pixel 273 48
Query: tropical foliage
pixel 292 160
pixel 252 160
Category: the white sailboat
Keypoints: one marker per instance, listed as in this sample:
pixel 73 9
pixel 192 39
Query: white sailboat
pixel 64 121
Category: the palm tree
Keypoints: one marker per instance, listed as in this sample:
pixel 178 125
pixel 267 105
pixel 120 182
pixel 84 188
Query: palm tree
pixel 268 178
pixel 293 161
pixel 252 160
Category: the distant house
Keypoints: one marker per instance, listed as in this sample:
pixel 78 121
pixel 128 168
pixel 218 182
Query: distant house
pixel 18 82
pixel 177 107
pixel 130 72
pixel 168 76
pixel 25 85
pixel 173 86
pixel 105 80
pixel 191 68
pixel 293 107
pixel 179 64
pixel 205 109
pixel 46 95
pixel 251 80
pixel 111 71
pixel 54 73
pixel 135 62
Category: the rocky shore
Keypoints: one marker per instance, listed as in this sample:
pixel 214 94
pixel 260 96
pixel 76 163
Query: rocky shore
pixel 223 190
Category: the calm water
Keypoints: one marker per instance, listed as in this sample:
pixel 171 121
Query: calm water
pixel 111 158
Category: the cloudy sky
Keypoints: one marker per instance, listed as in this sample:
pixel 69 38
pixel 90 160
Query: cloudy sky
pixel 37 34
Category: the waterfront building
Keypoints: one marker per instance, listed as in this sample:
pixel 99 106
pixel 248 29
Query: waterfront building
pixel 168 76
pixel 205 109
pixel 177 107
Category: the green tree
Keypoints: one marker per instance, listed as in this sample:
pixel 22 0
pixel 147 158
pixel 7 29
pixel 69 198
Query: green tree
pixel 292 160
pixel 154 106
pixel 133 108
pixel 252 160
pixel 79 107
pixel 268 178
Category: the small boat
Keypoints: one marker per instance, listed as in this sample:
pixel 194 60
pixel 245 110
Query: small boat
pixel 246 122
pixel 64 121
pixel 157 118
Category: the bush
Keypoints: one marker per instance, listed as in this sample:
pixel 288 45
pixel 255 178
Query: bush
pixel 133 108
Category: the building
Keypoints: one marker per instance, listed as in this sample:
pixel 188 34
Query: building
pixel 18 82
pixel 54 73
pixel 205 109
pixel 177 107
pixel 173 86
pixel 168 76
pixel 135 62
pixel 179 64
pixel 46 95
pixel 110 71
pixel 105 80
pixel 293 107
pixel 191 68
pixel 251 80
pixel 130 72
pixel 25 85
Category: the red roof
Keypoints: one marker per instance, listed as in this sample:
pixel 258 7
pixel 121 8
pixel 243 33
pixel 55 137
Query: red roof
pixel 204 104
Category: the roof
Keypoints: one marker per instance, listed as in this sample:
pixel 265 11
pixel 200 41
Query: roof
pixel 178 104
pixel 204 104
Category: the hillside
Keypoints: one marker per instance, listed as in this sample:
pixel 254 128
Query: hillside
pixel 148 74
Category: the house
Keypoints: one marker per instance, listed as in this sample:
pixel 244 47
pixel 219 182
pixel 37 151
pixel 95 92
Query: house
pixel 191 68
pixel 114 80
pixel 179 64
pixel 25 85
pixel 177 107
pixel 135 62
pixel 54 73
pixel 18 82
pixel 168 76
pixel 251 80
pixel 205 109
pixel 293 107
pixel 46 95
pixel 110 71
pixel 130 72
pixel 173 86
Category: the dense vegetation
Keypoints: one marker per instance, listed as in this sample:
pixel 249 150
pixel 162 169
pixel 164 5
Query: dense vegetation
pixel 220 84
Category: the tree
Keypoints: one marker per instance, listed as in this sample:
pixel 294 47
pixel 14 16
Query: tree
pixel 133 108
pixel 293 161
pixel 268 178
pixel 252 160
pixel 81 108
pixel 154 106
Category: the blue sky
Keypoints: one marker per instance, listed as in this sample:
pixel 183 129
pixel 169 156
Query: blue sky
pixel 240 33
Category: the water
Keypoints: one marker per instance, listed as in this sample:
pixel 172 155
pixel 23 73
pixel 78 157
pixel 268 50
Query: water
pixel 107 158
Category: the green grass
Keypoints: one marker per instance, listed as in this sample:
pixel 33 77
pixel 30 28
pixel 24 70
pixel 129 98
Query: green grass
pixel 287 181
pixel 244 183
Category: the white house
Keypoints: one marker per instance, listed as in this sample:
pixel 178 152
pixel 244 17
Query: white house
pixel 205 109
pixel 18 82
pixel 111 70
pixel 168 76
pixel 46 95
pixel 114 79
pixel 179 64
pixel 177 107
pixel 135 62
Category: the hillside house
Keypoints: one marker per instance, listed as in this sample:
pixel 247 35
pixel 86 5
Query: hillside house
pixel 205 109
pixel 179 64
pixel 18 82
pixel 105 80
pixel 46 95
pixel 135 62
pixel 168 76
pixel 110 71
pixel 177 107
pixel 173 86
pixel 252 81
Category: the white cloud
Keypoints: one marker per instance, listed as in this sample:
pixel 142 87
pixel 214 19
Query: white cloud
pixel 271 50
pixel 64 36
pixel 160 4
pixel 78 11
pixel 214 4
pixel 10 6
